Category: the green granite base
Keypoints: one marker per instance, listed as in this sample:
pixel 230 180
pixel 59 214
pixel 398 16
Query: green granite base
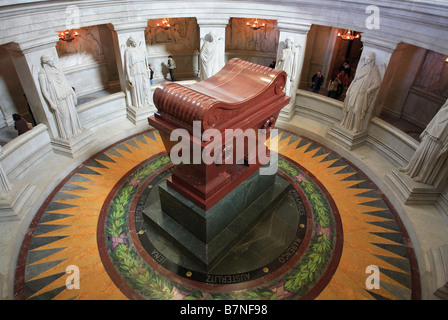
pixel 207 224
pixel 206 236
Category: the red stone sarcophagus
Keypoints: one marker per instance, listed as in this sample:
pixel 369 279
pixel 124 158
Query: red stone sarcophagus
pixel 243 96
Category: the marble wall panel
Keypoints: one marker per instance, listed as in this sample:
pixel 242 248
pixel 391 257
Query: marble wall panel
pixel 12 99
pixel 420 107
pixel 181 41
pixel 83 50
pixel 240 37
pixel 88 78
pixel 433 75
pixel 182 36
pixel 419 86
pixel 88 64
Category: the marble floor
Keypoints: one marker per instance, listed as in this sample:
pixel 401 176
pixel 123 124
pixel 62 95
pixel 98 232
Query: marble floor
pixel 7 134
pixel 324 240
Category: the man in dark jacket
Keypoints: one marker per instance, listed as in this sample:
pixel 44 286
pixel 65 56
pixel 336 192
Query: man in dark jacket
pixel 317 81
pixel 20 124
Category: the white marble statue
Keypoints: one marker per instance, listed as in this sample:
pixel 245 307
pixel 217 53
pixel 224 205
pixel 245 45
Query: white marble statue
pixel 211 57
pixel 432 152
pixel 60 96
pixel 137 74
pixel 361 94
pixel 287 60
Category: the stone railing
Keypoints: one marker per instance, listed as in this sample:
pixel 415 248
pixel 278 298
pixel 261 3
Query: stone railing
pixel 102 110
pixel 390 143
pixel 22 153
pixel 30 151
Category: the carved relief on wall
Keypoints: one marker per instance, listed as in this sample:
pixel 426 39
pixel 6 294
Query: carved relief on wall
pixel 84 49
pixel 183 35
pixel 239 37
pixel 433 75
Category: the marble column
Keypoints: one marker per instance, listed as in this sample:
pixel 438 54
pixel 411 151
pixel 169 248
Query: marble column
pixel 217 26
pixel 294 35
pixel 121 34
pixel 26 57
pixel 382 50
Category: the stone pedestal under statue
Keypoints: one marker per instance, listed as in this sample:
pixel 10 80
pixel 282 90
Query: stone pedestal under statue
pixel 347 138
pixel 216 194
pixel 75 146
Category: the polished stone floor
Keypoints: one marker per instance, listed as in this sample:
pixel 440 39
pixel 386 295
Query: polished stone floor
pixel 320 242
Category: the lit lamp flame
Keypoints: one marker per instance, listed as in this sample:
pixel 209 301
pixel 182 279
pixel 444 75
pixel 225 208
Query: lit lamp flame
pixel 255 25
pixel 68 35
pixel 165 24
pixel 348 35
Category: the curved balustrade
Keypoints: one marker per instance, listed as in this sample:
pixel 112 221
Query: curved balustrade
pixel 31 156
pixel 31 152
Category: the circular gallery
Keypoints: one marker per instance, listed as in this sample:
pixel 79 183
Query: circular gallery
pixel 351 101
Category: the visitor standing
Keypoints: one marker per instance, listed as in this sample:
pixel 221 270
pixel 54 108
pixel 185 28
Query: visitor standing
pixel 171 66
pixel 346 68
pixel 317 81
pixel 333 87
pixel 343 82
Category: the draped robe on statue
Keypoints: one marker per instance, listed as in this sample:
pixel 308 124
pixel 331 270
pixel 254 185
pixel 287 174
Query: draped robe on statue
pixel 360 95
pixel 211 57
pixel 137 75
pixel 431 154
pixel 287 61
pixel 62 99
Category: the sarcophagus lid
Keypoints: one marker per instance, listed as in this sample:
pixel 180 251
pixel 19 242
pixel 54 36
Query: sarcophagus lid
pixel 241 97
pixel 236 94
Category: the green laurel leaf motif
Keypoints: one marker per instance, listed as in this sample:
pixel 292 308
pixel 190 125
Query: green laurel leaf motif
pixel 315 260
pixel 133 268
pixel 152 285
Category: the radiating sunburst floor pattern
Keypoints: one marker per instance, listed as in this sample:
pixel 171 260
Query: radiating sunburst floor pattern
pixel 89 240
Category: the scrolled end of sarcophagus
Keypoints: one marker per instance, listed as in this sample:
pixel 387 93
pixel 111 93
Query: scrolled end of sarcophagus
pixel 240 90
pixel 243 99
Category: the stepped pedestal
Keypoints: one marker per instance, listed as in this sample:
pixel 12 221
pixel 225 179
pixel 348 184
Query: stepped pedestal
pixel 210 202
pixel 206 236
